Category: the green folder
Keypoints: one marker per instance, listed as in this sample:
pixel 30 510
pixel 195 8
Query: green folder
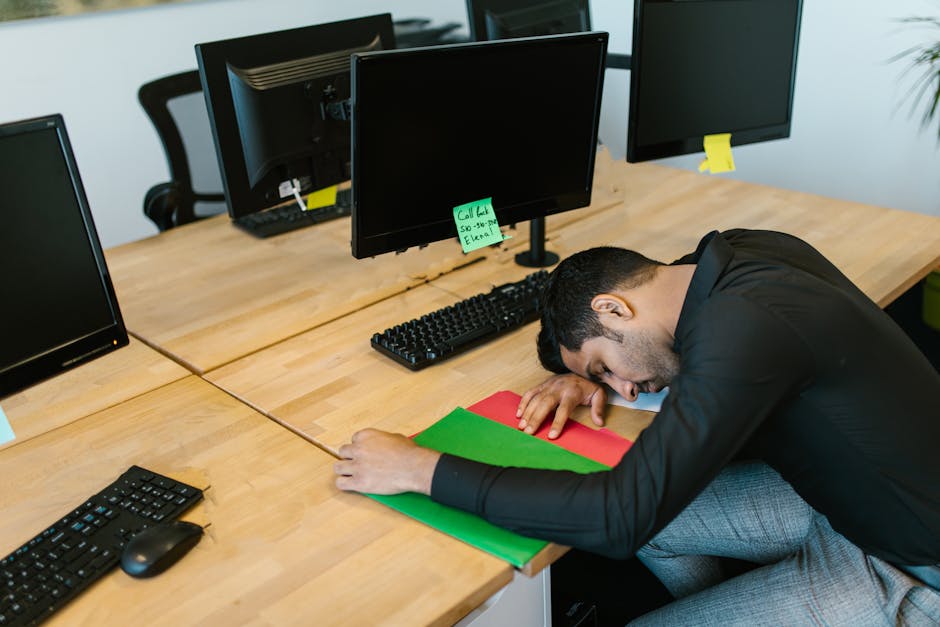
pixel 472 436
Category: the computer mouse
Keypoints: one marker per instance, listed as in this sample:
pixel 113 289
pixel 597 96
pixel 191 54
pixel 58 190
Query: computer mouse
pixel 156 548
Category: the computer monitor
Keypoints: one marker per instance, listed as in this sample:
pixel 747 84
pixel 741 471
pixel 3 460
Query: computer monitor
pixel 514 120
pixel 59 306
pixel 702 67
pixel 279 108
pixel 506 19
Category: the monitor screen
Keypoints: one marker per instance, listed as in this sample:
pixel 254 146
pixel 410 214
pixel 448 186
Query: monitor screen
pixel 702 67
pixel 59 307
pixel 505 19
pixel 279 108
pixel 514 120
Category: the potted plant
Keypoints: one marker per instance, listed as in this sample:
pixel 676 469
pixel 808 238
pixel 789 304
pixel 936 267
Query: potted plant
pixel 924 59
pixel 925 92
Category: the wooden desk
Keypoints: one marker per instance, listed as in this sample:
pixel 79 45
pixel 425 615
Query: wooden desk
pixel 208 293
pixel 284 546
pixel 315 373
pixel 328 383
pixel 666 211
pixel 106 381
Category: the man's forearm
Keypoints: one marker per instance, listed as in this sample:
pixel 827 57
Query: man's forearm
pixel 377 462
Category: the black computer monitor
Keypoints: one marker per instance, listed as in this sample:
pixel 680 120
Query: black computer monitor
pixel 514 120
pixel 59 307
pixel 702 67
pixel 506 19
pixel 279 108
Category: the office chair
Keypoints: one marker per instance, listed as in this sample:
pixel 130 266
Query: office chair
pixel 175 103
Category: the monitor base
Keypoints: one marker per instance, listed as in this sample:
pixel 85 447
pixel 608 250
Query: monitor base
pixel 537 256
pixel 531 259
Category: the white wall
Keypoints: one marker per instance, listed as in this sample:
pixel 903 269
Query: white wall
pixel 852 137
pixel 89 67
pixel 849 137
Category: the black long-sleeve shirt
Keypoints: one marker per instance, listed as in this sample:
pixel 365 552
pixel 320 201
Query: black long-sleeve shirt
pixel 782 359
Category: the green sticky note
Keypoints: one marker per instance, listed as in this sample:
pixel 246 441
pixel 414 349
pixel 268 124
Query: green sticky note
pixel 476 224
pixel 472 436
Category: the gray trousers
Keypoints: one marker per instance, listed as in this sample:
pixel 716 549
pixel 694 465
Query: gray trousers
pixel 808 573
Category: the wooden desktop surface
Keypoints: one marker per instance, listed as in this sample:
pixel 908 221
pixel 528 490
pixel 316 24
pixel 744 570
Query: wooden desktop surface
pixel 272 500
pixel 666 211
pixel 284 546
pixel 108 380
pixel 328 383
pixel 208 293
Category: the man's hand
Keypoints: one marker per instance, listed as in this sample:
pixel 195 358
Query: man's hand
pixel 561 393
pixel 378 462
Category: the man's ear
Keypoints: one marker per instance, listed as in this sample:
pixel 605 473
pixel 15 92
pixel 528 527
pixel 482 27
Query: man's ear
pixel 612 305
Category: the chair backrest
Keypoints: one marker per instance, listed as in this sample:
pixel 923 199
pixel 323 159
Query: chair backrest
pixel 176 107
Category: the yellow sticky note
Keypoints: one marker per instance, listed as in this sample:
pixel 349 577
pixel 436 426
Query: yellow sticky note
pixel 477 225
pixel 718 156
pixel 321 198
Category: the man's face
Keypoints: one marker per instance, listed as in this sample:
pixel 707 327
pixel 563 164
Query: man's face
pixel 640 362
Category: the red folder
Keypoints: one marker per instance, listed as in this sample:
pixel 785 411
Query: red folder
pixel 601 445
pixel 471 433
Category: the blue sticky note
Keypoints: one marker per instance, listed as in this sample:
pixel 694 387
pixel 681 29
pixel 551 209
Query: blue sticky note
pixel 6 431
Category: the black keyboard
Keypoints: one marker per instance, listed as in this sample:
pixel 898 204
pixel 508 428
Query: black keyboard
pixel 441 334
pixel 289 217
pixel 48 571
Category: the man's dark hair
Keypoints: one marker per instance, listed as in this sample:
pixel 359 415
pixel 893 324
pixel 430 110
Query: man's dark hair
pixel 567 317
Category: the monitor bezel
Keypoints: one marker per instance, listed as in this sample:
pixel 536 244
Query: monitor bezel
pixel 266 48
pixel 50 362
pixel 380 243
pixel 741 136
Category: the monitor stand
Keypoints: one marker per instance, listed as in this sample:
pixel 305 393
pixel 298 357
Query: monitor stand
pixel 537 256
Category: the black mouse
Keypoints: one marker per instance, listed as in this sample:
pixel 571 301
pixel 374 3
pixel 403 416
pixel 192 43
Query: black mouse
pixel 156 548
